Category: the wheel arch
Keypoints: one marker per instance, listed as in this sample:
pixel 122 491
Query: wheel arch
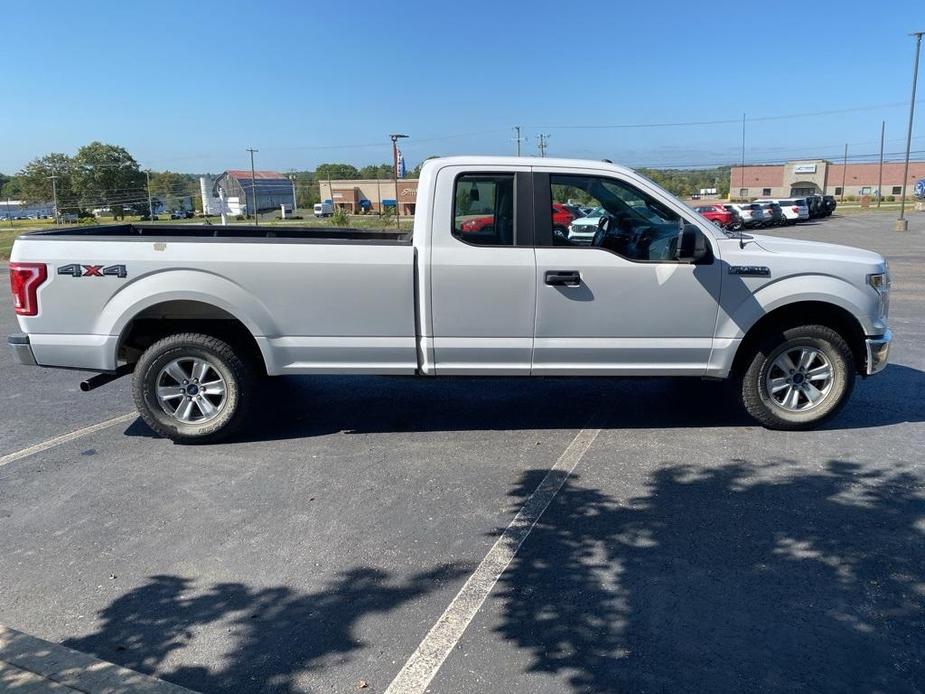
pixel 813 312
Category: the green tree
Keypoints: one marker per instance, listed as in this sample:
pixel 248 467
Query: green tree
pixel 376 171
pixel 10 187
pixel 104 175
pixel 336 172
pixel 35 183
pixel 170 188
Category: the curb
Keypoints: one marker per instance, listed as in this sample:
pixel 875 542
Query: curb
pixel 26 660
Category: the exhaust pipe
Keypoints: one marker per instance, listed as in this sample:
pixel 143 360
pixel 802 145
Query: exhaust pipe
pixel 102 379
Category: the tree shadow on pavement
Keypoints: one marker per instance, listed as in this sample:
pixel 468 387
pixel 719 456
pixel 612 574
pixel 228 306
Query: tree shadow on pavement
pixel 278 633
pixel 738 578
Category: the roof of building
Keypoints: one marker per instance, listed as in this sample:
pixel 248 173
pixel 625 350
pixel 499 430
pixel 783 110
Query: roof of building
pixel 263 175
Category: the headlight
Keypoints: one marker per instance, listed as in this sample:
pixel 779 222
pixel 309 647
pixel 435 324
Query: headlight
pixel 881 282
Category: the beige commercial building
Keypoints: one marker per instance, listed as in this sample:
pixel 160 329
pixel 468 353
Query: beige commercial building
pixel 819 176
pixel 380 193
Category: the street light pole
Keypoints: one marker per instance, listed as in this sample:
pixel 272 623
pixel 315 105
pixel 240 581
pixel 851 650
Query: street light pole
pixel 148 185
pixel 880 175
pixel 54 193
pixel 254 185
pixel 395 137
pixel 902 224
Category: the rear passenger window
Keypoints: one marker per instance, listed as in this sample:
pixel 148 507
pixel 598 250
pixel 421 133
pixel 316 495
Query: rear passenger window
pixel 484 211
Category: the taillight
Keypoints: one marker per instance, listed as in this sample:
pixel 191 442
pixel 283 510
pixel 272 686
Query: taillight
pixel 796 209
pixel 25 279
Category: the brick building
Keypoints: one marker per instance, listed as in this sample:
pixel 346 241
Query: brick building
pixel 806 177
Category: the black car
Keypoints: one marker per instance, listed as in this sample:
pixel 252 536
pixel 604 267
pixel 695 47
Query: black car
pixel 816 206
pixel 829 203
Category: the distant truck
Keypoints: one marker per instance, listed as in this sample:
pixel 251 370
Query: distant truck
pixel 199 313
pixel 324 209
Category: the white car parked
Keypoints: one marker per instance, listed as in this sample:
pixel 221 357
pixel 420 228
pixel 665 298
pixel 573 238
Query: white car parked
pixel 583 229
pixel 794 209
pixel 751 214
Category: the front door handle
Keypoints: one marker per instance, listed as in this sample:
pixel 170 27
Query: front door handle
pixel 563 278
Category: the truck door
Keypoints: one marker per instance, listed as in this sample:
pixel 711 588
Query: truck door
pixel 482 269
pixel 616 301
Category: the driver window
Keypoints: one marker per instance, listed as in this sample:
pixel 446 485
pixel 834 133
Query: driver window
pixel 613 215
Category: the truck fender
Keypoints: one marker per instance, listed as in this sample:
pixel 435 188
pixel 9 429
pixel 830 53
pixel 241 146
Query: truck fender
pixel 184 285
pixel 733 322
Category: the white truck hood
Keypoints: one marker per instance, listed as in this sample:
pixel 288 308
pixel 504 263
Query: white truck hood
pixel 815 249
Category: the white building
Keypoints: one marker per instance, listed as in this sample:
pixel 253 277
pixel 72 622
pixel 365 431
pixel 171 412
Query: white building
pixel 17 208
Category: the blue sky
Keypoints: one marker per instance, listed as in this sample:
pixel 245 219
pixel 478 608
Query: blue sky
pixel 188 86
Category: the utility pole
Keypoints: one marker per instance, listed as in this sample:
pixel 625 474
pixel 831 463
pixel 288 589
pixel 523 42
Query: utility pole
pixel 880 175
pixel 902 224
pixel 742 177
pixel 150 206
pixel 543 144
pixel 254 185
pixel 518 139
pixel 295 200
pixel 395 137
pixel 844 173
pixel 9 212
pixel 54 193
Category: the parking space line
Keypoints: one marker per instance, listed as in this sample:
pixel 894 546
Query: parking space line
pixel 429 656
pixel 65 438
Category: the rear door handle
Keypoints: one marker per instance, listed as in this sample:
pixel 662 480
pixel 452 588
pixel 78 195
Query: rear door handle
pixel 563 278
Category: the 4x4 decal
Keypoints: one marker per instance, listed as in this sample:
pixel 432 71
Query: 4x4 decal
pixel 79 270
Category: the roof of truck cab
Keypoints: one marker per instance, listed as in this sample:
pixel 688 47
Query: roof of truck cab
pixel 529 161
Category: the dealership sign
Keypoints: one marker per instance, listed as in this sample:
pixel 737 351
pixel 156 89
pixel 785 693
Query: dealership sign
pixel 804 168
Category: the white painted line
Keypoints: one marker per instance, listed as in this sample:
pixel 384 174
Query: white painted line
pixel 63 669
pixel 425 662
pixel 64 438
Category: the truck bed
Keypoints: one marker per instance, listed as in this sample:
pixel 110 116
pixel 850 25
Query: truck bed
pixel 236 232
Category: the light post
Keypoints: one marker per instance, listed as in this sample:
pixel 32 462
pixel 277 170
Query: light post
pixel 54 194
pixel 395 137
pixel 148 185
pixel 902 224
pixel 254 185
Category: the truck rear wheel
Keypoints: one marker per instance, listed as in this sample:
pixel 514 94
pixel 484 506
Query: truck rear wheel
pixel 798 378
pixel 193 388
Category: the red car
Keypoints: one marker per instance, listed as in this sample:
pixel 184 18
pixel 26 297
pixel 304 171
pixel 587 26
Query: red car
pixel 719 215
pixel 478 224
pixel 561 216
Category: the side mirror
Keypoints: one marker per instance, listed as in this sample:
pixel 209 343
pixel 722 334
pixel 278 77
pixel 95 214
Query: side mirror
pixel 692 244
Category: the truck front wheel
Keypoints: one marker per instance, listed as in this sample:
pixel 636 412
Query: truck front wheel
pixel 193 388
pixel 798 377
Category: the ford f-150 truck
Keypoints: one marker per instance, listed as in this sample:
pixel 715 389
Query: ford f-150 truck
pixel 199 313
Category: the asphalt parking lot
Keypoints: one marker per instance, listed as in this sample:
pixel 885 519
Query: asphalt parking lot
pixel 688 549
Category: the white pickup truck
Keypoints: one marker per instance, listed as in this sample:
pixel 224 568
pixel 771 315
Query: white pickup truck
pixel 483 286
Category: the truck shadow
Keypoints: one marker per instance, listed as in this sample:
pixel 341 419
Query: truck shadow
pixel 743 577
pixel 296 407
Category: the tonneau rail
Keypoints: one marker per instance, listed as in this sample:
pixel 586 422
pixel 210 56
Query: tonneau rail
pixel 236 232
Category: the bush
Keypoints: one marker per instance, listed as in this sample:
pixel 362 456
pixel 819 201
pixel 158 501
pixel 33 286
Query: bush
pixel 889 198
pixel 340 218
pixel 386 214
pixel 239 217
pixel 87 221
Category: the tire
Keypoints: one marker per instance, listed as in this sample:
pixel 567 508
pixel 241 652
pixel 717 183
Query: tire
pixel 212 400
pixel 773 394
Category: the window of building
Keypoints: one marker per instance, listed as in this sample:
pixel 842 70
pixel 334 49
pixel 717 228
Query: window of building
pixel 625 220
pixel 765 191
pixel 838 190
pixel 897 190
pixel 484 210
pixel 743 192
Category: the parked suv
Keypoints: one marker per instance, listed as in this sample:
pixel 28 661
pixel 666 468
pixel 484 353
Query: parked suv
pixel 750 213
